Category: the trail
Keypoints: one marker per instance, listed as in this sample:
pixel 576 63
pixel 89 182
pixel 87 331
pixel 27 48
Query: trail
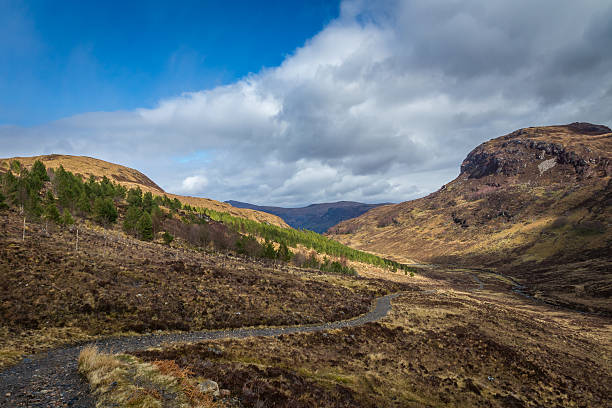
pixel 51 379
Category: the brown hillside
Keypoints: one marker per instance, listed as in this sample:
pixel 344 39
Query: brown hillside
pixel 536 203
pixel 87 166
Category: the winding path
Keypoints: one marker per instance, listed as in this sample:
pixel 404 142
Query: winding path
pixel 51 379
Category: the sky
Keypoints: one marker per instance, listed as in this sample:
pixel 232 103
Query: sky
pixel 291 102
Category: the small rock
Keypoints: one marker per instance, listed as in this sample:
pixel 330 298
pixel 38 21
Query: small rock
pixel 8 394
pixel 490 378
pixel 225 393
pixel 209 387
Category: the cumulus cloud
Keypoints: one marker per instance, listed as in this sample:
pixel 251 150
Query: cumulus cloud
pixel 194 185
pixel 382 105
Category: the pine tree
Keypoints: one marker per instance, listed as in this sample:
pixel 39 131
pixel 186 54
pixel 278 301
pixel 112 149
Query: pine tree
pixel 50 212
pixel 283 253
pixel 147 202
pixel 3 205
pixel 132 216
pixel 40 171
pixel 67 218
pixel 83 204
pixel 168 238
pixel 105 211
pixel 134 197
pixel 145 227
pixel 268 251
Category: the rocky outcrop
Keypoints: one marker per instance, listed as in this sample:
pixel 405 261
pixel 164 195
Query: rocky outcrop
pixel 517 152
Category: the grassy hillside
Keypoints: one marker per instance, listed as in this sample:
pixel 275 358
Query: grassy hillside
pixel 130 178
pixel 530 201
pixel 54 292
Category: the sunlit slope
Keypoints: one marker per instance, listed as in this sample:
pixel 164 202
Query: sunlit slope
pixel 88 166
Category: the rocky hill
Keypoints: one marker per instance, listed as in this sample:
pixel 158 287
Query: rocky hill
pixel 535 203
pixel 315 217
pixel 88 166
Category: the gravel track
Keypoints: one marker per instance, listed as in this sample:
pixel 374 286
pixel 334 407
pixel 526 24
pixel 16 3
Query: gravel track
pixel 51 379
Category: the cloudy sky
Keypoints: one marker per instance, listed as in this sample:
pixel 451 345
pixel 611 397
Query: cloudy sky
pixel 297 102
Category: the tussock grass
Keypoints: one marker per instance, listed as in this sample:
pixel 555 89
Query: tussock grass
pixel 123 380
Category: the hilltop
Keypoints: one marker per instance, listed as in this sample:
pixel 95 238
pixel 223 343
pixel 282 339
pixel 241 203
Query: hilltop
pixel 130 178
pixel 315 217
pixel 535 203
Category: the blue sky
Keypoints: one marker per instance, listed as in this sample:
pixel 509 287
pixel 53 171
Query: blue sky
pixel 296 102
pixel 69 57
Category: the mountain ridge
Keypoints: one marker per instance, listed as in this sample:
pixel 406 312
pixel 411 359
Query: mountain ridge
pixel 535 203
pixel 318 217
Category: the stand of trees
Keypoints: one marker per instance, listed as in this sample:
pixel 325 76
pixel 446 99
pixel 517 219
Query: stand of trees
pixel 56 195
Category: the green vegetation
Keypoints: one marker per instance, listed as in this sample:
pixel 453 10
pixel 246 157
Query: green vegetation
pixel 294 237
pixel 63 194
pixel 66 194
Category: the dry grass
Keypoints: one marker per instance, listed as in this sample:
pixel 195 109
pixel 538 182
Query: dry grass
pixel 114 285
pixel 518 222
pixel 125 381
pixel 433 350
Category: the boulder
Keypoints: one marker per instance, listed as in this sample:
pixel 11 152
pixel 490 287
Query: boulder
pixel 209 387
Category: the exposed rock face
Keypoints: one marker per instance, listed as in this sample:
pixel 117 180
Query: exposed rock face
pixel 514 154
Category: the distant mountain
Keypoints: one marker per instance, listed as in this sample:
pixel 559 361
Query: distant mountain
pixel 315 217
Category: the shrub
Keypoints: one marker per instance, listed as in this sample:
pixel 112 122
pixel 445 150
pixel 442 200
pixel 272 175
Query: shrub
pixel 168 238
pixel 67 218
pixel 248 245
pixel 268 251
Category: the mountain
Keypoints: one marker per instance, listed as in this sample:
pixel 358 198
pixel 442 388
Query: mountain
pixel 88 166
pixel 535 203
pixel 315 217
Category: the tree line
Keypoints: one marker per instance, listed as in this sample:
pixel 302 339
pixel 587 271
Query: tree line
pixel 58 195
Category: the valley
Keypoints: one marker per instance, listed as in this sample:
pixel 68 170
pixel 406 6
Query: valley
pixel 492 291
pixel 315 217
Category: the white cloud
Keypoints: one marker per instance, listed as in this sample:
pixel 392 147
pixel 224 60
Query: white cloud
pixel 382 105
pixel 194 185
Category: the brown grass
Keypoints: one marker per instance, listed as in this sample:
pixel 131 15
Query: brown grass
pixel 435 349
pixel 123 380
pixel 114 284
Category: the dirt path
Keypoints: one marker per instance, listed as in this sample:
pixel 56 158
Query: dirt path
pixel 51 379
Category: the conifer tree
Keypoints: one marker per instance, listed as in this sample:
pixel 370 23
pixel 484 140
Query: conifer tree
pixel 283 253
pixel 145 227
pixel 3 204
pixel 40 171
pixel 134 197
pixel 50 211
pixel 147 202
pixel 268 251
pixel 67 218
pixel 105 211
pixel 83 204
pixel 132 216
